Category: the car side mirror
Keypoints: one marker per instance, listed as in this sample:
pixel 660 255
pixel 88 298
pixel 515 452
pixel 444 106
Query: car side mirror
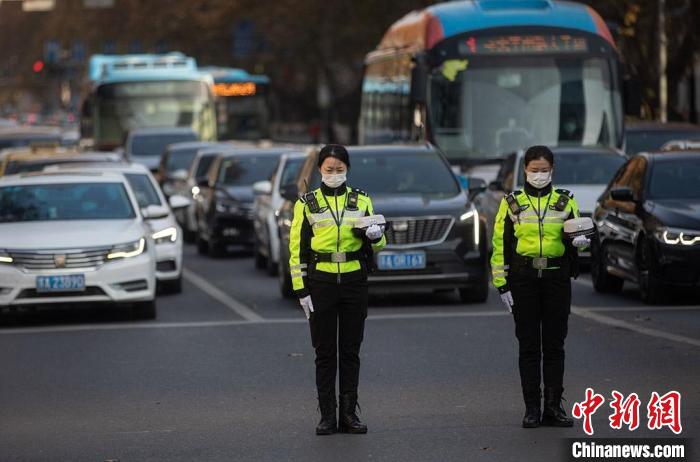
pixel 262 188
pixel 496 185
pixel 290 192
pixel 622 195
pixel 178 202
pixel 476 186
pixel 153 212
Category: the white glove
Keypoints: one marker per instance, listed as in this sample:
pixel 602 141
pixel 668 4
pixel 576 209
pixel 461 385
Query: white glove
pixel 507 299
pixel 581 242
pixel 374 232
pixel 307 305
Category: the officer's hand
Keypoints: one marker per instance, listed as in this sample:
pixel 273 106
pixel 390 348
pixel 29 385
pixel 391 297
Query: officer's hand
pixel 581 242
pixel 307 305
pixel 374 232
pixel 507 299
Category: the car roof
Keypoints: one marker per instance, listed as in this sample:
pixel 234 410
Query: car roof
pixel 391 149
pixel 188 145
pixel 643 126
pixel 11 132
pixel 565 150
pixel 266 152
pixel 121 167
pixel 61 177
pixel 672 155
pixel 160 131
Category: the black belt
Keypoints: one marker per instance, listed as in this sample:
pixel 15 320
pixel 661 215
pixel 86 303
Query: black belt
pixel 539 263
pixel 337 257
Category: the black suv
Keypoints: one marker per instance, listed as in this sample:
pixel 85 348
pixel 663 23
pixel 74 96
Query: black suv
pixel 435 237
pixel 649 224
pixel 224 212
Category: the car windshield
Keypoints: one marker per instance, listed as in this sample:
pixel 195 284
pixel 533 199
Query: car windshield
pixel 154 145
pixel 496 106
pixel 650 141
pixel 583 168
pixel 291 170
pixel 400 173
pixel 204 164
pixel 180 159
pixel 675 179
pixel 143 189
pixel 244 171
pixel 64 201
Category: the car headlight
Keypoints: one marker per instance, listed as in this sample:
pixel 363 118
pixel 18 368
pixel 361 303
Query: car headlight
pixel 132 249
pixel 674 236
pixel 5 257
pixel 228 207
pixel 472 214
pixel 166 235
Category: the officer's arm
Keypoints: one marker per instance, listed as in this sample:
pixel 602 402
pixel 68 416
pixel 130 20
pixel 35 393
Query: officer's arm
pixel 377 244
pixel 299 246
pixel 499 269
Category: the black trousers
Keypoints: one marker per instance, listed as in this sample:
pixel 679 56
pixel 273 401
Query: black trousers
pixel 541 312
pixel 337 329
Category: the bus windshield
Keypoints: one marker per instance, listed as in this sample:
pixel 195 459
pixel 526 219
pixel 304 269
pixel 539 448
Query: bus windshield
pixel 243 117
pixel 122 107
pixel 495 106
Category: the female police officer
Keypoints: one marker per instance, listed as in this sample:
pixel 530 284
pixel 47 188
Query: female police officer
pixel 531 264
pixel 329 261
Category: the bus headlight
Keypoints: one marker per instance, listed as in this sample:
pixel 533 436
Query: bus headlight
pixel 166 235
pixel 132 249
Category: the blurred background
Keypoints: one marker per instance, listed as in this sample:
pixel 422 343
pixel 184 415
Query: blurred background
pixel 312 51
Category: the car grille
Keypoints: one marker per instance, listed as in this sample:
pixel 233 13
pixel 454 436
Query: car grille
pixel 33 293
pixel 52 259
pixel 410 231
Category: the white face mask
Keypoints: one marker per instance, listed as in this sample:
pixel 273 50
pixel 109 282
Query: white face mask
pixel 539 179
pixel 333 180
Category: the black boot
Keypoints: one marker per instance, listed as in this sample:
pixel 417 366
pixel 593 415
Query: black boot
pixel 349 422
pixel 554 414
pixel 533 409
pixel 328 423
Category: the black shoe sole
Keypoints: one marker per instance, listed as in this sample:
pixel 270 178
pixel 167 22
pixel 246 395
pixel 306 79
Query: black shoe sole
pixel 326 432
pixel 352 431
pixel 531 425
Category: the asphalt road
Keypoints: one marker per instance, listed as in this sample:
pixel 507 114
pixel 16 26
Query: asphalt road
pixel 226 373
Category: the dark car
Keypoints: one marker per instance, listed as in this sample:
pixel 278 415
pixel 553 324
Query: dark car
pixel 651 136
pixel 224 210
pixel 435 237
pixel 649 225
pixel 146 145
pixel 175 165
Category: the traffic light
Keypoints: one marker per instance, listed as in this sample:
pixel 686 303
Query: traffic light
pixel 38 66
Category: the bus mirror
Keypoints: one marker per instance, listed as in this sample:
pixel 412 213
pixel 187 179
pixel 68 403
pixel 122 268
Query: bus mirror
pixel 419 79
pixel 632 94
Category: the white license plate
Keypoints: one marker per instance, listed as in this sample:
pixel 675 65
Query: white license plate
pixel 64 283
pixel 387 261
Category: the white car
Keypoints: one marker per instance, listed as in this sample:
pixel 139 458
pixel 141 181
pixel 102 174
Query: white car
pixel 268 200
pixel 75 238
pixel 167 233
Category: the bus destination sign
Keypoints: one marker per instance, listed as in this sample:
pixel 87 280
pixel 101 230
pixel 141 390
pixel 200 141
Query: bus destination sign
pixel 523 44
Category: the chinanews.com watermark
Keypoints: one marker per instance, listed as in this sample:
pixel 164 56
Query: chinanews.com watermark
pixel 662 412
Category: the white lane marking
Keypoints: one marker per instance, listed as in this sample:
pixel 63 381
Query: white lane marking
pixel 643 308
pixel 221 296
pixel 607 320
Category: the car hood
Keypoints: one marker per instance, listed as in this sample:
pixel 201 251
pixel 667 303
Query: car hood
pixel 33 235
pixel 586 195
pixel 676 213
pixel 403 205
pixel 240 193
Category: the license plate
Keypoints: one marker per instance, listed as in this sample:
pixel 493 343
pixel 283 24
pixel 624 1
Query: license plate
pixel 387 261
pixel 64 283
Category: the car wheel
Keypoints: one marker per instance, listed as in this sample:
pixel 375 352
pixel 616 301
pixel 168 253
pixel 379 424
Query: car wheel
pixel 603 282
pixel 188 236
pixel 216 249
pixel 145 310
pixel 649 288
pixel 285 281
pixel 475 294
pixel 202 245
pixel 173 286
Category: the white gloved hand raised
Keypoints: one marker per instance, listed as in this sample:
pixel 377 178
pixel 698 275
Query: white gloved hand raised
pixel 581 242
pixel 374 232
pixel 307 305
pixel 507 299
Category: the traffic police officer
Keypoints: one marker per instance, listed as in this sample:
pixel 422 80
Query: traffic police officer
pixel 532 263
pixel 330 258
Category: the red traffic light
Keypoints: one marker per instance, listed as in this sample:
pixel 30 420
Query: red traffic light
pixel 38 66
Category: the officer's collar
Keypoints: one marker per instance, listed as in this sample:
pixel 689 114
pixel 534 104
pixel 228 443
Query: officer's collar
pixel 328 191
pixel 532 191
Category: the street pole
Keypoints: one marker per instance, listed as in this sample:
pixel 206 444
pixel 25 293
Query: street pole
pixel 663 50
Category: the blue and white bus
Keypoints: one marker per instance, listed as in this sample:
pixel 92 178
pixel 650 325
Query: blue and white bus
pixel 242 106
pixel 481 79
pixel 126 92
